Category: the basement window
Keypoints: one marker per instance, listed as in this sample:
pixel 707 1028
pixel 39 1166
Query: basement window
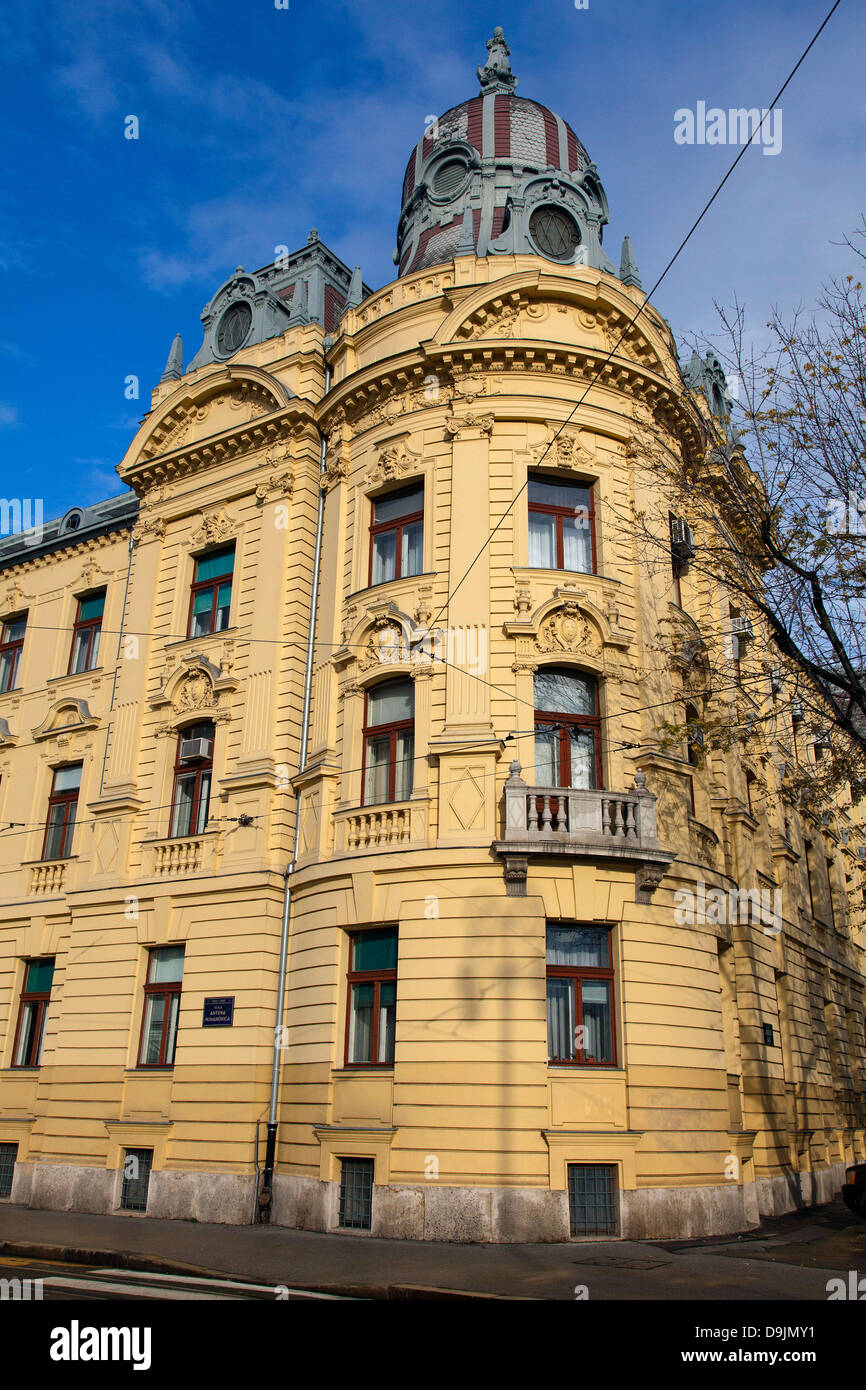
pixel 137 1164
pixel 592 1199
pixel 356 1193
pixel 8 1155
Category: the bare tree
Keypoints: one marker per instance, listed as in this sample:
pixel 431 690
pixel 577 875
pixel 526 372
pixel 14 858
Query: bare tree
pixel 776 499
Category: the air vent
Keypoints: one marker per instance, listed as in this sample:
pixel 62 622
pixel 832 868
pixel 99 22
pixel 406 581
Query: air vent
pixel 448 177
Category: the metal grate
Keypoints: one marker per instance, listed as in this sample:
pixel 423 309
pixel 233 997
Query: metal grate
pixel 592 1205
pixel 137 1164
pixel 356 1193
pixel 8 1155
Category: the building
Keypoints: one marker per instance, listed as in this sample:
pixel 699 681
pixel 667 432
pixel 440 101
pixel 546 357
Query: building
pixel 522 998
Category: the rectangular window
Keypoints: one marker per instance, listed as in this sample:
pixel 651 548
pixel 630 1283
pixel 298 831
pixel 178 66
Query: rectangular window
pixel 137 1164
pixel 84 655
pixel 33 1012
pixel 372 1002
pixel 396 535
pixel 161 1007
pixel 561 526
pixel 193 770
pixel 592 1204
pixel 11 644
pixel 580 1013
pixel 211 596
pixel 389 742
pixel 62 808
pixel 356 1193
pixel 8 1155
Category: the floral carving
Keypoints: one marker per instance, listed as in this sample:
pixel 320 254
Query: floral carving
pixel 214 527
pixel 148 527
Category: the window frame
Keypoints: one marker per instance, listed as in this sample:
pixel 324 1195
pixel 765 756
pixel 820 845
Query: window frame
pixel 577 973
pixel 396 525
pixel 559 512
pixel 93 627
pixel 393 728
pixel 41 998
pixel 13 647
pixel 198 586
pixel 366 977
pixel 65 799
pixel 192 769
pixel 151 988
pixel 569 721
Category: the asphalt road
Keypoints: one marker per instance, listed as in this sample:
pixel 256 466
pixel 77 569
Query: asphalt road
pixel 53 1281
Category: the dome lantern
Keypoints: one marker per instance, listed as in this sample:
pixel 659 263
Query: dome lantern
pixel 513 167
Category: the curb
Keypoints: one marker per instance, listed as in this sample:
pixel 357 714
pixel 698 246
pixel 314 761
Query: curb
pixel 154 1264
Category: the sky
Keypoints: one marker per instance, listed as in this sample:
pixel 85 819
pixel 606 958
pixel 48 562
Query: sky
pixel 257 123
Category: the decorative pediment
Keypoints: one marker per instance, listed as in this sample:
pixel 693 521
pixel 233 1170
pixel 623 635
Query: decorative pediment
pixel 220 402
pixel 384 636
pixel 66 717
pixel 567 625
pixel 196 685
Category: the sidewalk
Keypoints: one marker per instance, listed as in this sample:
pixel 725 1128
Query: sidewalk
pixel 383 1268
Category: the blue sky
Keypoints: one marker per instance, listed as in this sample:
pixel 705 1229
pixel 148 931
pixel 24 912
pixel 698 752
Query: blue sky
pixel 257 124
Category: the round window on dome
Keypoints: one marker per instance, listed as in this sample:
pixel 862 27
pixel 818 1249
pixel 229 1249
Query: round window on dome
pixel 556 235
pixel 234 327
pixel 448 178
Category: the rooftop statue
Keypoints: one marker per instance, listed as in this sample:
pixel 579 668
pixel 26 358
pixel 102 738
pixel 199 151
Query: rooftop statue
pixel 496 75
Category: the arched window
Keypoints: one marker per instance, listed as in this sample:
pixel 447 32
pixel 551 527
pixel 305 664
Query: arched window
pixel 567 729
pixel 193 769
pixel 389 742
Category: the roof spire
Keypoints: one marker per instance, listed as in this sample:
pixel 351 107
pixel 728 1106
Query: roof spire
pixel 466 244
pixel 496 75
pixel 356 289
pixel 628 265
pixel 174 365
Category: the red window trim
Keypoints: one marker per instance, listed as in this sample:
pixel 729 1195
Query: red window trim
pixel 378 731
pixel 366 977
pixel 169 987
pixel 578 973
pixel 397 524
pixel 94 624
pixel 15 647
pixel 214 584
pixel 43 999
pixel 65 799
pixel 185 769
pixel 591 722
pixel 546 509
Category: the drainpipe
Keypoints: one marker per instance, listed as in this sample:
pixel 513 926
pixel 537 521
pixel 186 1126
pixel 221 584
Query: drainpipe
pixel 266 1194
pixel 116 662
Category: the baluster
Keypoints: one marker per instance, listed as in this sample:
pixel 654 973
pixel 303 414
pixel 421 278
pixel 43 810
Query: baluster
pixel 546 815
pixel 606 828
pixel 630 820
pixel 618 823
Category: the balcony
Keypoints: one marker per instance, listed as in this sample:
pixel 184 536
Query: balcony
pixel 391 825
pixel 48 878
pixel 579 823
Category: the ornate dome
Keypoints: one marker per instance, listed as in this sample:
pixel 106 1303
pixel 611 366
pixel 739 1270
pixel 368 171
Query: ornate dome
pixel 501 174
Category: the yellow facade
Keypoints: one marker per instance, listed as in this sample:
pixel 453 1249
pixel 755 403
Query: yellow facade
pixel 458 376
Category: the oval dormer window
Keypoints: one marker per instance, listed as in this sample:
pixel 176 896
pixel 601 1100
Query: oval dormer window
pixel 449 177
pixel 556 235
pixel 71 521
pixel 234 328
